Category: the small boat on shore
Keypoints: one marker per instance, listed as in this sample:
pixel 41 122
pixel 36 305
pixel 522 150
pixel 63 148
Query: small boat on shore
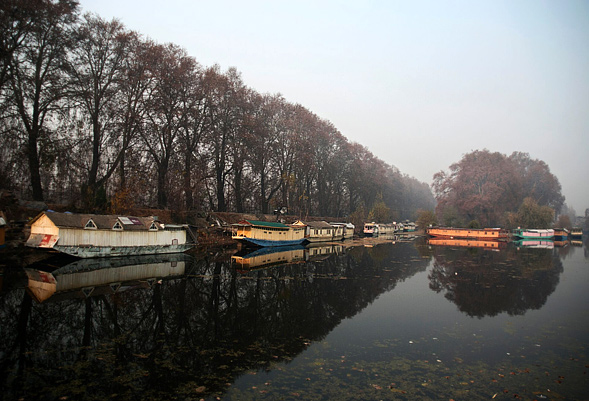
pixel 95 236
pixel 468 233
pixel 534 233
pixel 265 233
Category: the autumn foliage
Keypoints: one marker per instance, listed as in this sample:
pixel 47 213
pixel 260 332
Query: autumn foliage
pixel 486 187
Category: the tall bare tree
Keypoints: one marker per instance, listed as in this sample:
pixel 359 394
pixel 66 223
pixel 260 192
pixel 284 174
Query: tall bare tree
pixel 37 79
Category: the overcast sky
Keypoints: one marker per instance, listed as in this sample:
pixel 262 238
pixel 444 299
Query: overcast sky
pixel 419 83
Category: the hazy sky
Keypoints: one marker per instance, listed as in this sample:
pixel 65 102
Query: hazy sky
pixel 419 83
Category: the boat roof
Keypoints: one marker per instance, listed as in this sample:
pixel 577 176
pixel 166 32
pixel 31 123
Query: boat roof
pixel 104 222
pixel 260 223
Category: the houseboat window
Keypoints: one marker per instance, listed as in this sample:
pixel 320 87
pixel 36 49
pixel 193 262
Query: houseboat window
pixel 90 225
pixel 117 226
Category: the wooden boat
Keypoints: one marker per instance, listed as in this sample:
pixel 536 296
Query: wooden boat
pixel 265 233
pixel 92 235
pixel 468 233
pixel 320 231
pixel 534 233
pixel 375 229
pixel 409 226
pixel 348 229
pixel 561 234
pixel 467 243
pixel 576 232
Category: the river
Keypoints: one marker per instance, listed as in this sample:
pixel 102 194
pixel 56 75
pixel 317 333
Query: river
pixel 403 319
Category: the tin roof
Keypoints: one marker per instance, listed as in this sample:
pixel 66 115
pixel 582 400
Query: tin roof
pixel 102 222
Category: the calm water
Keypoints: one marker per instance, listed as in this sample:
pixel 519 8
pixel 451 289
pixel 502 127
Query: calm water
pixel 403 320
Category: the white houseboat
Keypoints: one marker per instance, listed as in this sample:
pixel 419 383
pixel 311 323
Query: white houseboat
pixel 320 231
pixel 265 233
pixel 93 235
pixel 348 229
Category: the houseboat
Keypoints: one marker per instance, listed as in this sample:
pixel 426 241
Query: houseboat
pixel 561 234
pixel 348 229
pixel 576 232
pixel 320 231
pixel 533 233
pixel 93 235
pixel 370 229
pixel 265 233
pixel 375 229
pixel 409 226
pixel 468 233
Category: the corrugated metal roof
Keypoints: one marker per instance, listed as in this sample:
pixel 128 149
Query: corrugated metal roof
pixel 102 222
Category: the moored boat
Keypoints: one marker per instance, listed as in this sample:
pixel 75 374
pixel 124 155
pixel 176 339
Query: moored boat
pixel 468 233
pixel 576 232
pixel 534 233
pixel 370 229
pixel 347 229
pixel 265 233
pixel 320 231
pixel 93 235
pixel 561 234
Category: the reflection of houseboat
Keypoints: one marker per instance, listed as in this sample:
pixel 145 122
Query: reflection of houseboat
pixel 268 256
pixel 92 277
pixel 92 235
pixel 265 233
pixel 561 234
pixel 534 233
pixel 535 243
pixel 576 232
pixel 315 253
pixel 320 231
pixel 2 230
pixel 348 229
pixel 467 243
pixel 468 233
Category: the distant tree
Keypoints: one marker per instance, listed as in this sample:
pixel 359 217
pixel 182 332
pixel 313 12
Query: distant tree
pixel 532 215
pixel 485 186
pixel 380 212
pixel 425 218
pixel 563 221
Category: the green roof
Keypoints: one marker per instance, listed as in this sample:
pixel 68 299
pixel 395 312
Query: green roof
pixel 266 224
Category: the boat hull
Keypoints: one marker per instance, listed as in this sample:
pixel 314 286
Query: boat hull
pixel 534 234
pixel 269 243
pixel 112 251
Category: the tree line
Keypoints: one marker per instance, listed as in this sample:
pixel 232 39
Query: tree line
pixel 97 116
pixel 490 189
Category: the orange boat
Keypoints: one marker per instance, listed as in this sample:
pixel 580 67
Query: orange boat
pixel 468 233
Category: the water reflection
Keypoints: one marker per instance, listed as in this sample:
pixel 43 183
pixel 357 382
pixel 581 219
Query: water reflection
pixel 188 327
pixel 484 283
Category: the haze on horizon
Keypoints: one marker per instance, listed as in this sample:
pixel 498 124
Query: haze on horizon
pixel 418 83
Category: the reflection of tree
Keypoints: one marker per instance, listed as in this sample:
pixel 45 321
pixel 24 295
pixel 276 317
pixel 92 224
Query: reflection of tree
pixel 484 283
pixel 190 336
